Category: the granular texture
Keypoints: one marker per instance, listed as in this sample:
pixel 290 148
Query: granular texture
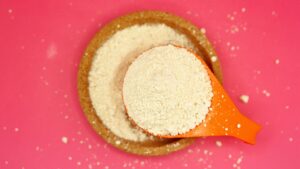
pixel 110 65
pixel 167 91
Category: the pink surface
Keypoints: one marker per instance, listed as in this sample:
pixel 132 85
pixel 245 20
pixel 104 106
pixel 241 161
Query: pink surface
pixel 41 44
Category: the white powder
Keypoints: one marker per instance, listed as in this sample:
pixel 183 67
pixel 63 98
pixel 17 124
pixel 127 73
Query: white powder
pixel 203 30
pixel 118 142
pixel 64 140
pixel 244 98
pixel 110 65
pixel 266 93
pixel 167 90
pixel 219 143
pixel 52 51
pixel 214 58
pixel 239 160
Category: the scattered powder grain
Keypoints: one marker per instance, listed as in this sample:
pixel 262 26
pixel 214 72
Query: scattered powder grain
pixel 189 12
pixel 118 142
pixel 110 65
pixel 244 98
pixel 167 90
pixel 239 160
pixel 203 30
pixel 219 144
pixel 232 48
pixel 64 140
pixel 214 58
pixel 274 13
pixel 266 93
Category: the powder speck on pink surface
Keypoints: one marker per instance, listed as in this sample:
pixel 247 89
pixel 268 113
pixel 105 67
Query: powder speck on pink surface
pixel 41 45
pixel 52 51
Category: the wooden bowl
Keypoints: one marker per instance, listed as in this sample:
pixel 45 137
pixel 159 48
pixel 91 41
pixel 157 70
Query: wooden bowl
pixel 203 48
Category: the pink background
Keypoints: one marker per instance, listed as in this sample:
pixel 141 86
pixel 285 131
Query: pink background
pixel 41 43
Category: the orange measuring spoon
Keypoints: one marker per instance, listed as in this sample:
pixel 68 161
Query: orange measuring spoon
pixel 223 118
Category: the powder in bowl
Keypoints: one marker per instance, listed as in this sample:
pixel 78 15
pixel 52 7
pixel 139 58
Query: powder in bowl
pixel 167 91
pixel 110 64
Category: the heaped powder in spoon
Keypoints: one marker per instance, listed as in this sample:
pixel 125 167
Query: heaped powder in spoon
pixel 167 91
pixel 110 65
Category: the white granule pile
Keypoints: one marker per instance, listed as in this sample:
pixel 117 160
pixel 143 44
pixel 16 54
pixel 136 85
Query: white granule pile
pixel 110 65
pixel 167 91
